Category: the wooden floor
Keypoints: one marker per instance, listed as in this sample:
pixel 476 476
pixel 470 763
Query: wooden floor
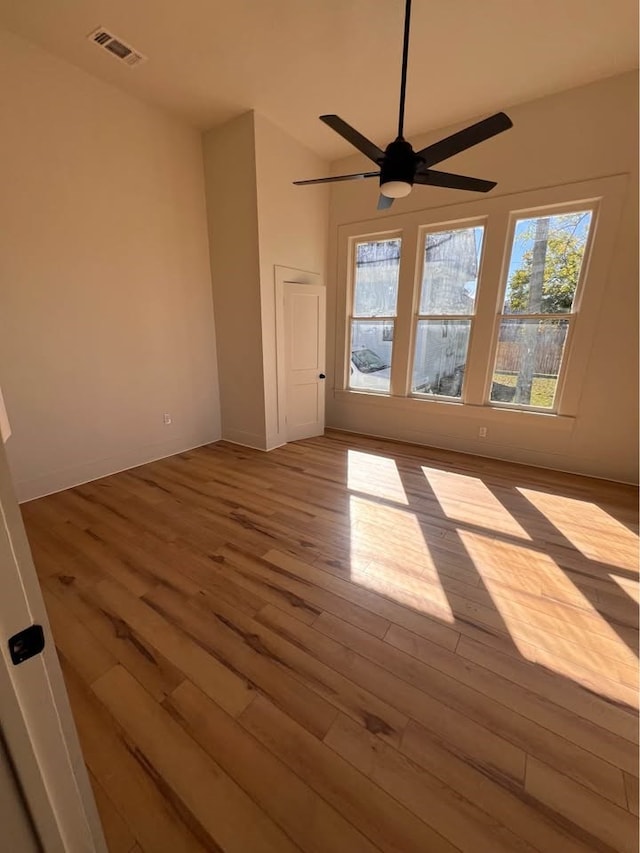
pixel 349 645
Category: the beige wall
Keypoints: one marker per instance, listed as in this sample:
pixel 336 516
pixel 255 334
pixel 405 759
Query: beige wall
pixel 106 317
pixel 572 136
pixel 230 170
pixel 292 226
pixel 257 220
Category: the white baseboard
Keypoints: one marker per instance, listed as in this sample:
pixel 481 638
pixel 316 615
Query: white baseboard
pixel 544 464
pixel 58 481
pixel 245 439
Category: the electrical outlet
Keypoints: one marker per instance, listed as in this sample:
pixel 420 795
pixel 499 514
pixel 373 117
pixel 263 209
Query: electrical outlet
pixel 166 418
pixel 482 432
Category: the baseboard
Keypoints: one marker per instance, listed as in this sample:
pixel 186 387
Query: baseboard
pixel 59 481
pixel 496 457
pixel 245 439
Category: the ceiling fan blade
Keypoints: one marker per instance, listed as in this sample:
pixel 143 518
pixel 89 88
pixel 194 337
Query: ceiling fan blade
pixel 356 139
pixel 384 202
pixel 453 182
pixel 464 139
pixel 357 176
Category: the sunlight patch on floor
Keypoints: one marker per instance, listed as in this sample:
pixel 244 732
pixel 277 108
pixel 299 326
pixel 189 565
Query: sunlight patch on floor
pixel 567 625
pixel 631 587
pixel 376 476
pixel 591 530
pixel 411 577
pixel 467 499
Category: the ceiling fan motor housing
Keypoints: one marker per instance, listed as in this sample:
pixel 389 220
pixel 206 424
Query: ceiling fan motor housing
pixel 399 163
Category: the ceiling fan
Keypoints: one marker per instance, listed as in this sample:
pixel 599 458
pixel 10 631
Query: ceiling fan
pixel 399 166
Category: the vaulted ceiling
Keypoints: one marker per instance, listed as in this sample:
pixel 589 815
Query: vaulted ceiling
pixel 295 59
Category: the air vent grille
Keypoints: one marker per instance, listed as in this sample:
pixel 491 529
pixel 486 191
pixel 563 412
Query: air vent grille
pixel 116 47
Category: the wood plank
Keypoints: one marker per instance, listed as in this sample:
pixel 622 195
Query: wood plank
pixel 158 562
pixel 227 636
pixel 117 834
pixel 568 694
pixel 275 578
pixel 87 655
pixel 153 813
pixel 602 653
pixel 540 709
pixel 609 823
pixel 220 806
pixel 217 680
pixel 189 486
pixel 444 810
pixel 590 678
pixel 92 548
pixel 363 597
pixel 429 599
pixel 478 705
pixel 507 804
pixel 463 735
pixel 384 821
pixel 118 637
pixel 207 572
pixel 364 707
pixel 633 793
pixel 578 612
pixel 307 819
pixel 264 591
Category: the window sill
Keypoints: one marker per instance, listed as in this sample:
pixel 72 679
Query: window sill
pixel 548 421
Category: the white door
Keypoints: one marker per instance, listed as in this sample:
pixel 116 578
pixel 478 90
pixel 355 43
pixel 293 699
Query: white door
pixel 37 726
pixel 17 832
pixel 305 318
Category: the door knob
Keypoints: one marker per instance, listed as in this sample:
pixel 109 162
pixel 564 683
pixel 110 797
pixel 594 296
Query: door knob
pixel 322 376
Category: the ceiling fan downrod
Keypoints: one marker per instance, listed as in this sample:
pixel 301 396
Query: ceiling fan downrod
pixel 405 64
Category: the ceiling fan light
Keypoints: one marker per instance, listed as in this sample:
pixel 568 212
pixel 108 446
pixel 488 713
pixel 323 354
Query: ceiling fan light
pixel 395 189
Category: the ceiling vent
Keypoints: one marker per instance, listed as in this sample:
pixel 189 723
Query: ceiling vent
pixel 116 47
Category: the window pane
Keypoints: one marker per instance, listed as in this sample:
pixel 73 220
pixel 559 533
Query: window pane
pixel 528 362
pixel 450 273
pixel 546 258
pixel 440 357
pixel 376 280
pixel 371 349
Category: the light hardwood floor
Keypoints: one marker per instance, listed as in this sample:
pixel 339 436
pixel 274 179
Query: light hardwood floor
pixel 349 645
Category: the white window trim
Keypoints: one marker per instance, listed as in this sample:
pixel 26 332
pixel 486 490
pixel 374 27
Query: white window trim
pixel 604 195
pixel 422 233
pixel 572 317
pixel 352 244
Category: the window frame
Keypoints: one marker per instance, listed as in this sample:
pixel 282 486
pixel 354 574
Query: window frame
pixel 423 231
pixel 604 195
pixel 351 318
pixel 572 317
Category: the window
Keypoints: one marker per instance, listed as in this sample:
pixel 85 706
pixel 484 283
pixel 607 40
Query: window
pixel 373 314
pixel 486 309
pixel 543 277
pixel 451 261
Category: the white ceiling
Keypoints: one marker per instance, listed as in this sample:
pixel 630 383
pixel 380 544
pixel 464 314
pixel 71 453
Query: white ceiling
pixel 293 60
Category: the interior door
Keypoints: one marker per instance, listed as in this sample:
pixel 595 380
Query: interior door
pixel 37 727
pixel 15 819
pixel 305 319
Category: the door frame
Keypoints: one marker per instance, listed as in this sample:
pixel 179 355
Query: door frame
pixel 286 275
pixel 36 718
